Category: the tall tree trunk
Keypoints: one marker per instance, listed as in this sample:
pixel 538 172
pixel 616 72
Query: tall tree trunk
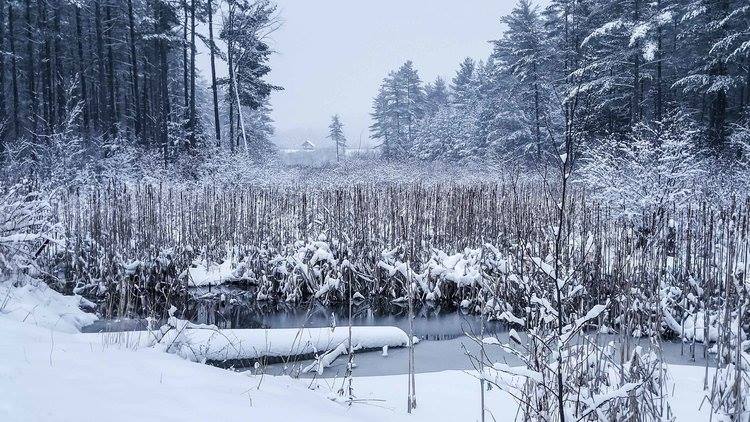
pixel 82 73
pixel 14 70
pixel 161 101
pixel 164 111
pixel 93 74
pixel 231 124
pixel 635 112
pixel 185 55
pixel 192 73
pixel 111 89
pixel 46 75
pixel 59 70
pixel 3 107
pixel 718 107
pixel 134 70
pixel 240 119
pixel 659 58
pixel 537 124
pixel 214 88
pixel 31 72
pixel 102 112
pixel 147 125
pixel 230 64
pixel 718 111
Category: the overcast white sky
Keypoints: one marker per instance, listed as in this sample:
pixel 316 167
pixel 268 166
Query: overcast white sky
pixel 333 54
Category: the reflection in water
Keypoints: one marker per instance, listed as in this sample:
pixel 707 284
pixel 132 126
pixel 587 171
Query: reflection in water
pixel 431 322
pixel 230 308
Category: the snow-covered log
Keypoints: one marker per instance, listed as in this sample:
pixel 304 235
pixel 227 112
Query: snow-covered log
pixel 205 343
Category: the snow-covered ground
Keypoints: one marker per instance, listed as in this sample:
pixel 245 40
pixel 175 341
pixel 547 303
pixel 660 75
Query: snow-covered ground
pixel 34 303
pixel 48 374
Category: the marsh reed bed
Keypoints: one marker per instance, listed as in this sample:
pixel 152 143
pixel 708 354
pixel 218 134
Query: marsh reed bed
pixel 676 269
pixel 664 271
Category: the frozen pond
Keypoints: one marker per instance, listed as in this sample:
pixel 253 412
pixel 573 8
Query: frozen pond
pixel 443 344
pixel 451 354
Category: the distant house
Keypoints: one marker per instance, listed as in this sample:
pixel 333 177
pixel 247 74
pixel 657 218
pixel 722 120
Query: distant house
pixel 308 154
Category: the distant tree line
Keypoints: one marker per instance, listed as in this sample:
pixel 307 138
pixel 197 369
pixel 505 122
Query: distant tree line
pixel 117 72
pixel 600 70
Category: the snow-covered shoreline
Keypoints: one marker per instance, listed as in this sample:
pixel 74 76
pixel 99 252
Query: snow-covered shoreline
pixel 54 376
pixel 50 372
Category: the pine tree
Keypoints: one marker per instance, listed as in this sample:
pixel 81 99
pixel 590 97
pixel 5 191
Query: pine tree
pixel 380 127
pixel 594 69
pixel 409 101
pixel 463 85
pixel 397 110
pixel 248 54
pixel 504 130
pixel 522 52
pixel 115 73
pixel 259 127
pixel 164 20
pixel 336 134
pixel 715 38
pixel 436 96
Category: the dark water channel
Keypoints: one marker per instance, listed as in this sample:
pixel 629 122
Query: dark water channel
pixel 444 344
pixel 431 322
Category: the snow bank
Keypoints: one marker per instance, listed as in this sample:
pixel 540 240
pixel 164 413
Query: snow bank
pixel 53 376
pixel 36 303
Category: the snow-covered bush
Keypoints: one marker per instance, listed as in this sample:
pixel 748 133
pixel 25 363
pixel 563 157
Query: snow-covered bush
pixel 566 366
pixel 655 166
pixel 29 241
pixel 26 230
pixel 729 398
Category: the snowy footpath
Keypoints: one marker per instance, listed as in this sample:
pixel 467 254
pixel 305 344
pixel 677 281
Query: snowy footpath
pixel 49 372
